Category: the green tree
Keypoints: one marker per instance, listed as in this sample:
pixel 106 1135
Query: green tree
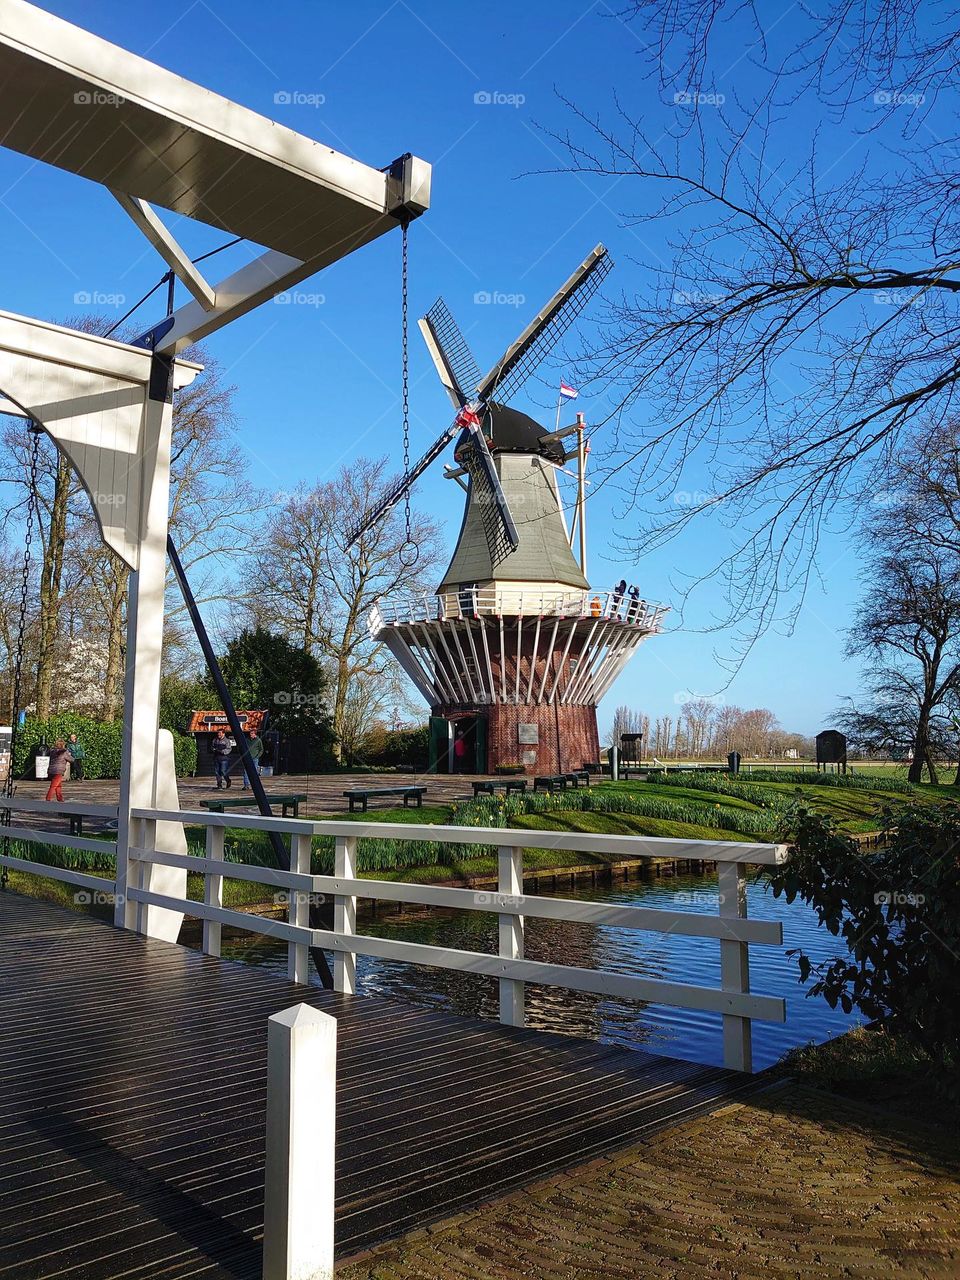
pixel 264 670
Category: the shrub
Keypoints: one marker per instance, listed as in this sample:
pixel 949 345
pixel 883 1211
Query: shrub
pixel 898 912
pixel 397 748
pixel 101 742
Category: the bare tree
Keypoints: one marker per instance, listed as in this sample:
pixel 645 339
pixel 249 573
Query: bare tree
pixel 306 582
pixel 803 329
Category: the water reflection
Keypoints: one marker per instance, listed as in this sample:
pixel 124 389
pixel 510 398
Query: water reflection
pixel 682 1033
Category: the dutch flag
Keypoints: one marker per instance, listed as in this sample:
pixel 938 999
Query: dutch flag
pixel 568 392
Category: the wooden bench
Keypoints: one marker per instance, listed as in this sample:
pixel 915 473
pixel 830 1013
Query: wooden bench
pixel 506 784
pixel 551 782
pixel 289 801
pixel 579 778
pixel 360 795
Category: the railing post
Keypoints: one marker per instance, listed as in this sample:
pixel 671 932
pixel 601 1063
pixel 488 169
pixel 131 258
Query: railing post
pixel 735 966
pixel 301 1137
pixel 213 890
pixel 345 915
pixel 298 953
pixel 510 885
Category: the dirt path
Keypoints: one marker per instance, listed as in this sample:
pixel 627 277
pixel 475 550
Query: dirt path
pixel 795 1184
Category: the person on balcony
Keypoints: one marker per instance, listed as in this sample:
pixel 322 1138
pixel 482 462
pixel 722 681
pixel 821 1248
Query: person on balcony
pixel 60 757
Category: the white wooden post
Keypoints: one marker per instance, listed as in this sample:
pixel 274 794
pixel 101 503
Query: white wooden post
pixel 735 966
pixel 213 891
pixel 345 916
pixel 141 694
pixel 510 885
pixel 298 953
pixel 301 1139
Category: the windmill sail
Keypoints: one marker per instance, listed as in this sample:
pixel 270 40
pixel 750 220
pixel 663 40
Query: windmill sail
pixel 546 329
pixel 458 370
pixel 499 528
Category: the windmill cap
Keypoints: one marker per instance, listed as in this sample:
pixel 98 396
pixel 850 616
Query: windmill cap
pixel 510 431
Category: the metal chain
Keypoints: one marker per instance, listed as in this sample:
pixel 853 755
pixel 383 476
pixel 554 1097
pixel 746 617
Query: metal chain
pixel 17 692
pixel 410 552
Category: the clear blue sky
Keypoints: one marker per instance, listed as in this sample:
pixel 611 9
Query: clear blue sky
pixel 319 381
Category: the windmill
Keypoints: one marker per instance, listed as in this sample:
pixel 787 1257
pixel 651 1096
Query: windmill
pixel 514 650
pixel 477 400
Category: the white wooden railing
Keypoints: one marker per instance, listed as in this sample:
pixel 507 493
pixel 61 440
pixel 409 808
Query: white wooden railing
pixel 515 602
pixel 37 835
pixel 731 928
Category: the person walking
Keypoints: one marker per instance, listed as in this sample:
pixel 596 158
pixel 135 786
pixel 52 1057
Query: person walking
pixel 60 757
pixel 75 747
pixel 255 751
pixel 222 747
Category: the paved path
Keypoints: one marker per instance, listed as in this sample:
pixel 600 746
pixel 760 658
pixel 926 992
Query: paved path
pixel 324 790
pixel 793 1184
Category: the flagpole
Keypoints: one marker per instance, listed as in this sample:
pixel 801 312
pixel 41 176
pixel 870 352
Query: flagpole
pixel 582 493
pixel 559 403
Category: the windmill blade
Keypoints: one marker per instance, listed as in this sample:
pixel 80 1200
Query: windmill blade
pixel 499 527
pixel 459 372
pixel 390 499
pixel 546 329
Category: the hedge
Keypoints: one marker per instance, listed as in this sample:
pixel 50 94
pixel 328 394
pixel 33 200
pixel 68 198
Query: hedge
pixel 101 744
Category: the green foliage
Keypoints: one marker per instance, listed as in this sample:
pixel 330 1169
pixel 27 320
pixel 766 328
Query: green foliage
pixel 397 748
pixel 179 697
pixel 898 912
pixel 264 670
pixel 101 744
pixel 853 781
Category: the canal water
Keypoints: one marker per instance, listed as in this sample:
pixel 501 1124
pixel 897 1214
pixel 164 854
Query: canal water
pixel 681 1033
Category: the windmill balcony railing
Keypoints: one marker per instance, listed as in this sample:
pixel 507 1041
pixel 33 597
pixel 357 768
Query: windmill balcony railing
pixel 513 602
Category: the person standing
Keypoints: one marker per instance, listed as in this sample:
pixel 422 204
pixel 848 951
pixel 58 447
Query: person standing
pixel 75 747
pixel 255 751
pixel 60 757
pixel 222 747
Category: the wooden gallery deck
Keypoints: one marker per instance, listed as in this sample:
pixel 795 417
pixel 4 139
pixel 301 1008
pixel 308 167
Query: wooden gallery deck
pixel 133 1094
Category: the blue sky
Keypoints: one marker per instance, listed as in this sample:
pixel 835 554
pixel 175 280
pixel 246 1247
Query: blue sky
pixel 318 381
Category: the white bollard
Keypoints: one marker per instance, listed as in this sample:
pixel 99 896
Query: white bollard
pixel 301 1137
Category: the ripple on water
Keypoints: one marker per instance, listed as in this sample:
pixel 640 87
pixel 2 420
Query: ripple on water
pixel 683 1033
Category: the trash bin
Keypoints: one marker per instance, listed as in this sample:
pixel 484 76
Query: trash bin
pixel 42 762
pixel 733 761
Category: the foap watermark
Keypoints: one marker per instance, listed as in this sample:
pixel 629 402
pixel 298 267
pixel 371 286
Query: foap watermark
pixel 699 898
pixel 697 98
pixel 690 695
pixel 109 499
pixel 897 898
pixel 895 298
pixel 97 298
pixel 298 98
pixel 696 498
pixel 696 298
pixel 494 900
pixel 484 298
pixel 294 698
pixel 299 298
pixel 896 98
pixel 98 98
pixel 497 98
pixel 98 898
pixel 284 898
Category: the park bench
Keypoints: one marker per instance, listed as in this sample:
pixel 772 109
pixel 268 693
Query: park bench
pixel 76 824
pixel 579 778
pixel 507 784
pixel 289 801
pixel 551 782
pixel 360 795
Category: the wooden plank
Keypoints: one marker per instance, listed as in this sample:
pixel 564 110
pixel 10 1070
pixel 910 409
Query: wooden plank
pixel 139 1153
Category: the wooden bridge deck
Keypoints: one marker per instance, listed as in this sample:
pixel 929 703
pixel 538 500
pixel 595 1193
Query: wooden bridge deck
pixel 133 1098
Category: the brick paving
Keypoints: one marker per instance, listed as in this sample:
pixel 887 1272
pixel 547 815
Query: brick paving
pixel 794 1184
pixel 324 790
